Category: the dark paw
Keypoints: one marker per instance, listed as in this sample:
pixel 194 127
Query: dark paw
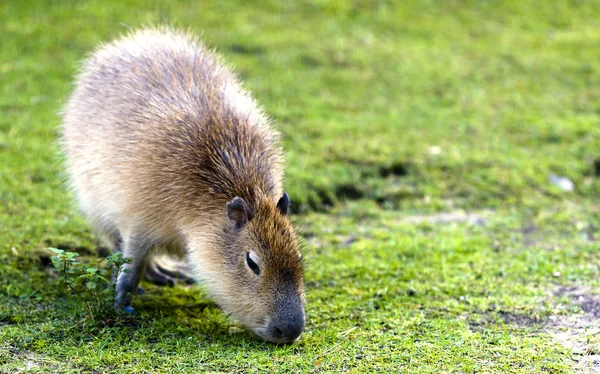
pixel 124 307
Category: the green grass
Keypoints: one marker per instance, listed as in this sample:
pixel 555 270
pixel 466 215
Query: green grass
pixel 392 112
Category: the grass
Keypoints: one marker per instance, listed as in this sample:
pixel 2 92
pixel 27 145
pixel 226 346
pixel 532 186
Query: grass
pixel 420 137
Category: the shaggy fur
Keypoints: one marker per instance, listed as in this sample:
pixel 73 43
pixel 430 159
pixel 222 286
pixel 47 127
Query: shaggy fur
pixel 159 137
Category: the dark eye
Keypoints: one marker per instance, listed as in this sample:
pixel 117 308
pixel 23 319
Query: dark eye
pixel 251 264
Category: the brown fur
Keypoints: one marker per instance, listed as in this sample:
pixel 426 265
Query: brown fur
pixel 159 137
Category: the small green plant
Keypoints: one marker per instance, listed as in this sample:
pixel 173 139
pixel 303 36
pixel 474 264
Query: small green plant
pixel 93 284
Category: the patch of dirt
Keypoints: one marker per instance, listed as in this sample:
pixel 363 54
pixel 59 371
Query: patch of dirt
pixel 579 332
pixel 24 361
pixel 519 319
pixel 536 237
pixel 529 235
pixel 480 322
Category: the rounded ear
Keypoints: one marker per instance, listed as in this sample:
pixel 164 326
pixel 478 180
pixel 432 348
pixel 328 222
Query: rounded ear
pixel 284 204
pixel 239 212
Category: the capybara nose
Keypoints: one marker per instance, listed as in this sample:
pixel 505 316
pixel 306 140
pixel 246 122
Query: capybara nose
pixel 287 332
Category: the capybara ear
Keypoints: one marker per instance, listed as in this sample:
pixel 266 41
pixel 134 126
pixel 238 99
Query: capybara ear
pixel 239 212
pixel 284 204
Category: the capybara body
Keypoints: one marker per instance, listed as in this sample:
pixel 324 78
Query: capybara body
pixel 166 151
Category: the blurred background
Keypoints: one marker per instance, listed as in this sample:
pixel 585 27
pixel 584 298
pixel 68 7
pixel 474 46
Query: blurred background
pixel 407 104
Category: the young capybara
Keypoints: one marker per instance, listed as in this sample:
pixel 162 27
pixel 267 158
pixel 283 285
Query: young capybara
pixel 166 152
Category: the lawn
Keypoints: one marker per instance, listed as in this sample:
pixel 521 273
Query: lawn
pixel 422 141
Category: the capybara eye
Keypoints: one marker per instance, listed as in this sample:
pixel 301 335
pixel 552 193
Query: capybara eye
pixel 251 264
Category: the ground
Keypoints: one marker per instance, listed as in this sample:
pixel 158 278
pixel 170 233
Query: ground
pixel 423 142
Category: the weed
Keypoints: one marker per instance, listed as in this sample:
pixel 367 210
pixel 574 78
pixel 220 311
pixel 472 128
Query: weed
pixel 93 286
